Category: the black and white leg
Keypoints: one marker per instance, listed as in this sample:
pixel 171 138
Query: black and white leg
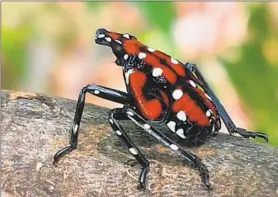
pixel 100 91
pixel 193 159
pixel 223 113
pixel 114 116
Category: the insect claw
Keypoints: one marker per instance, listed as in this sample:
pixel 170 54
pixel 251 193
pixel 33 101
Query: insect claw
pixel 263 135
pixel 248 134
pixel 141 186
pixel 204 173
pixel 205 178
pixel 55 163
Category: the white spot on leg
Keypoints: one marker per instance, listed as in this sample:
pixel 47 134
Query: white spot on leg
pixel 108 39
pixel 133 151
pixel 130 113
pixel 181 115
pixel 174 147
pixel 127 75
pixel 174 61
pixel 151 49
pixel 213 127
pixel 208 113
pixel 125 56
pixel 208 97
pixel 96 92
pixel 192 83
pixel 147 126
pixel 75 128
pixel 157 72
pixel 111 121
pixel 118 132
pixel 180 133
pixel 142 55
pixel 172 126
pixel 177 94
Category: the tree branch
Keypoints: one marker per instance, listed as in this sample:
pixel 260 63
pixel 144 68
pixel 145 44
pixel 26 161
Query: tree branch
pixel 34 126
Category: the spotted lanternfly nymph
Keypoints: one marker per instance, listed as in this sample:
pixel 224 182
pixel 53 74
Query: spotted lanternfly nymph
pixel 160 90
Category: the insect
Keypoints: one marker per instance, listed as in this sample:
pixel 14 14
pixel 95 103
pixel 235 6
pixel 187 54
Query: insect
pixel 160 90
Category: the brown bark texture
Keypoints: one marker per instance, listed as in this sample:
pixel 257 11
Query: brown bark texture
pixel 34 126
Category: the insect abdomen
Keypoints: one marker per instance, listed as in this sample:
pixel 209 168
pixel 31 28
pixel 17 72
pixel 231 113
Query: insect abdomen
pixel 194 113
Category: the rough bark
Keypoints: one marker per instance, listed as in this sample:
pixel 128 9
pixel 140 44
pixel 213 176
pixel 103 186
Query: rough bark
pixel 34 126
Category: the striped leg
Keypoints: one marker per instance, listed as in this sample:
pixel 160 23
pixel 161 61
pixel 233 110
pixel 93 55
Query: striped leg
pixel 119 114
pixel 100 91
pixel 223 113
pixel 193 159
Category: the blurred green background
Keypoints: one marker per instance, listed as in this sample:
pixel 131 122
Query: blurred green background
pixel 49 47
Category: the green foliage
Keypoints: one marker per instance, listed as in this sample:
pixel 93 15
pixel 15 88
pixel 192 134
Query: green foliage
pixel 160 15
pixel 93 4
pixel 14 55
pixel 255 77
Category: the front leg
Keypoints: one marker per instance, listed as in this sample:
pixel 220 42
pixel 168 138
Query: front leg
pixel 100 91
pixel 223 113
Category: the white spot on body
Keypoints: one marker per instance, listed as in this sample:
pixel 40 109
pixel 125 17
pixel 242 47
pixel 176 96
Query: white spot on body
pixel 126 36
pixel 108 39
pixel 157 72
pixel 101 36
pixel 127 75
pixel 151 49
pixel 133 151
pixel 110 120
pixel 142 55
pixel 147 126
pixel 208 113
pixel 174 61
pixel 130 113
pixel 174 147
pixel 177 94
pixel 96 92
pixel 180 133
pixel 181 115
pixel 172 125
pixel 118 41
pixel 192 83
pixel 118 132
pixel 125 56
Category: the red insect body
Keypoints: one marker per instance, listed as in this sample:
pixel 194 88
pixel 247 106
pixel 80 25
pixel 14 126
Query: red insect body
pixel 172 71
pixel 151 109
